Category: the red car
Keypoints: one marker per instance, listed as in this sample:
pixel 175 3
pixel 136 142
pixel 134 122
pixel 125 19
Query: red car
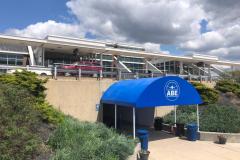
pixel 85 66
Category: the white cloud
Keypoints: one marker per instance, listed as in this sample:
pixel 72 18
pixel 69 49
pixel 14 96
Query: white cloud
pixel 42 29
pixel 151 23
pixel 139 20
pixel 152 47
pixel 206 42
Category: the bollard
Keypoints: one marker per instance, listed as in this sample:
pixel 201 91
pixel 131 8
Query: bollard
pixel 143 137
pixel 79 74
pixel 55 72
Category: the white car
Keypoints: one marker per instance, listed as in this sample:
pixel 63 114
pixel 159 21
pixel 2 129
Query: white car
pixel 38 70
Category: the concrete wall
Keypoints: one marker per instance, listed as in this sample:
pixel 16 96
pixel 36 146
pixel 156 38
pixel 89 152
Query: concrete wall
pixel 78 98
pixel 213 136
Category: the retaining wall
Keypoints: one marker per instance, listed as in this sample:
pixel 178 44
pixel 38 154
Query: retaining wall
pixel 78 98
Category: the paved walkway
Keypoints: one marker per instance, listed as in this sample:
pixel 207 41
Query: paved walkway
pixel 164 146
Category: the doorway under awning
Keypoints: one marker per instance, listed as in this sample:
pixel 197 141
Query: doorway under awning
pixel 151 92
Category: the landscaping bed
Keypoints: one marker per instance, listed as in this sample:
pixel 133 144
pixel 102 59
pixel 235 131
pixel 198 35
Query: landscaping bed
pixel 30 128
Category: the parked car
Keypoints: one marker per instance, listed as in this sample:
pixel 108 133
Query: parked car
pixel 84 66
pixel 38 70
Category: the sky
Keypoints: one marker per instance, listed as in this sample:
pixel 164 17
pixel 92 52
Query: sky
pixel 177 27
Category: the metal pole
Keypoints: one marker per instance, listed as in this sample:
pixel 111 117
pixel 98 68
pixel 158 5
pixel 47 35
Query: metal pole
pixel 120 74
pixel 55 72
pixel 134 124
pixel 79 74
pixel 175 115
pixel 181 68
pixel 164 67
pixel 100 75
pixel 115 116
pixel 101 63
pixel 198 117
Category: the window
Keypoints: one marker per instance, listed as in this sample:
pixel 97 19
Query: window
pixel 11 59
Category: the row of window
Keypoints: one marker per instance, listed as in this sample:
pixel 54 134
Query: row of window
pixel 11 59
pixel 13 47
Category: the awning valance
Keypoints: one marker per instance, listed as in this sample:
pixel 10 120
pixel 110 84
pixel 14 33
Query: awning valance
pixel 152 92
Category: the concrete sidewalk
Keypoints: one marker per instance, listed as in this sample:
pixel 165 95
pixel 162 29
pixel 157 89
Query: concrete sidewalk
pixel 164 146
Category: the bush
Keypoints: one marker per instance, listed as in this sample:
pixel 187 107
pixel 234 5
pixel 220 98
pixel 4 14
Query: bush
pixel 26 80
pixel 208 95
pixel 213 118
pixel 228 86
pixel 49 114
pixel 185 115
pixel 236 75
pixel 35 86
pixel 83 140
pixel 22 112
pixel 224 119
pixel 18 124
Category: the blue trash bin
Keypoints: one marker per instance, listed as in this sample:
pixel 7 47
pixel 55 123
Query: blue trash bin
pixel 143 137
pixel 192 133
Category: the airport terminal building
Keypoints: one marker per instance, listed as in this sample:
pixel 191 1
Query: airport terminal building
pixel 110 59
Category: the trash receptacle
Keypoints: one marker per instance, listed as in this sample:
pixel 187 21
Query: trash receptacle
pixel 192 133
pixel 143 137
pixel 158 123
pixel 180 129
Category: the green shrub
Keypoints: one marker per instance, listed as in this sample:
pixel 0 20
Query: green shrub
pixel 83 140
pixel 49 114
pixel 18 124
pixel 26 80
pixel 228 86
pixel 216 118
pixel 213 118
pixel 208 95
pixel 185 115
pixel 23 116
pixel 35 86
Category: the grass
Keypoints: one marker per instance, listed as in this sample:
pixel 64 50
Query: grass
pixel 94 141
pixel 27 121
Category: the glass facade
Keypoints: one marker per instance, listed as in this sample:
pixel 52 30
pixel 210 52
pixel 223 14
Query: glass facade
pixel 11 59
pixel 171 67
pixel 131 59
pixel 13 47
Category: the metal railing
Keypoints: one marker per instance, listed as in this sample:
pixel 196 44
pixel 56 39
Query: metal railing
pixel 108 72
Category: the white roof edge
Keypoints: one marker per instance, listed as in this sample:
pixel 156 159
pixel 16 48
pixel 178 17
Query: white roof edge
pixel 22 38
pixel 73 38
pixel 134 53
pixel 92 41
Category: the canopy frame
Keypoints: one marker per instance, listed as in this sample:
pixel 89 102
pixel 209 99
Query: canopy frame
pixel 144 93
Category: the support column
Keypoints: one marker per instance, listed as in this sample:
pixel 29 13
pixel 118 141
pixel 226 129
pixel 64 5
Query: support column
pixel 43 56
pixel 55 72
pixel 181 67
pixel 175 116
pixel 134 124
pixel 198 117
pixel 79 74
pixel 209 73
pixel 164 67
pixel 146 66
pixel 115 116
pixel 101 64
pixel 199 74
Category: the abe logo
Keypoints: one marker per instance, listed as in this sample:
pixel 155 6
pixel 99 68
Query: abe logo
pixel 172 90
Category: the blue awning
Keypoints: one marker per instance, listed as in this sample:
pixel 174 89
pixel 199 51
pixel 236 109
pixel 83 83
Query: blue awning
pixel 152 92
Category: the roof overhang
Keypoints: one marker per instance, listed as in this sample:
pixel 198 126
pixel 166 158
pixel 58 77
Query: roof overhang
pixel 67 45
